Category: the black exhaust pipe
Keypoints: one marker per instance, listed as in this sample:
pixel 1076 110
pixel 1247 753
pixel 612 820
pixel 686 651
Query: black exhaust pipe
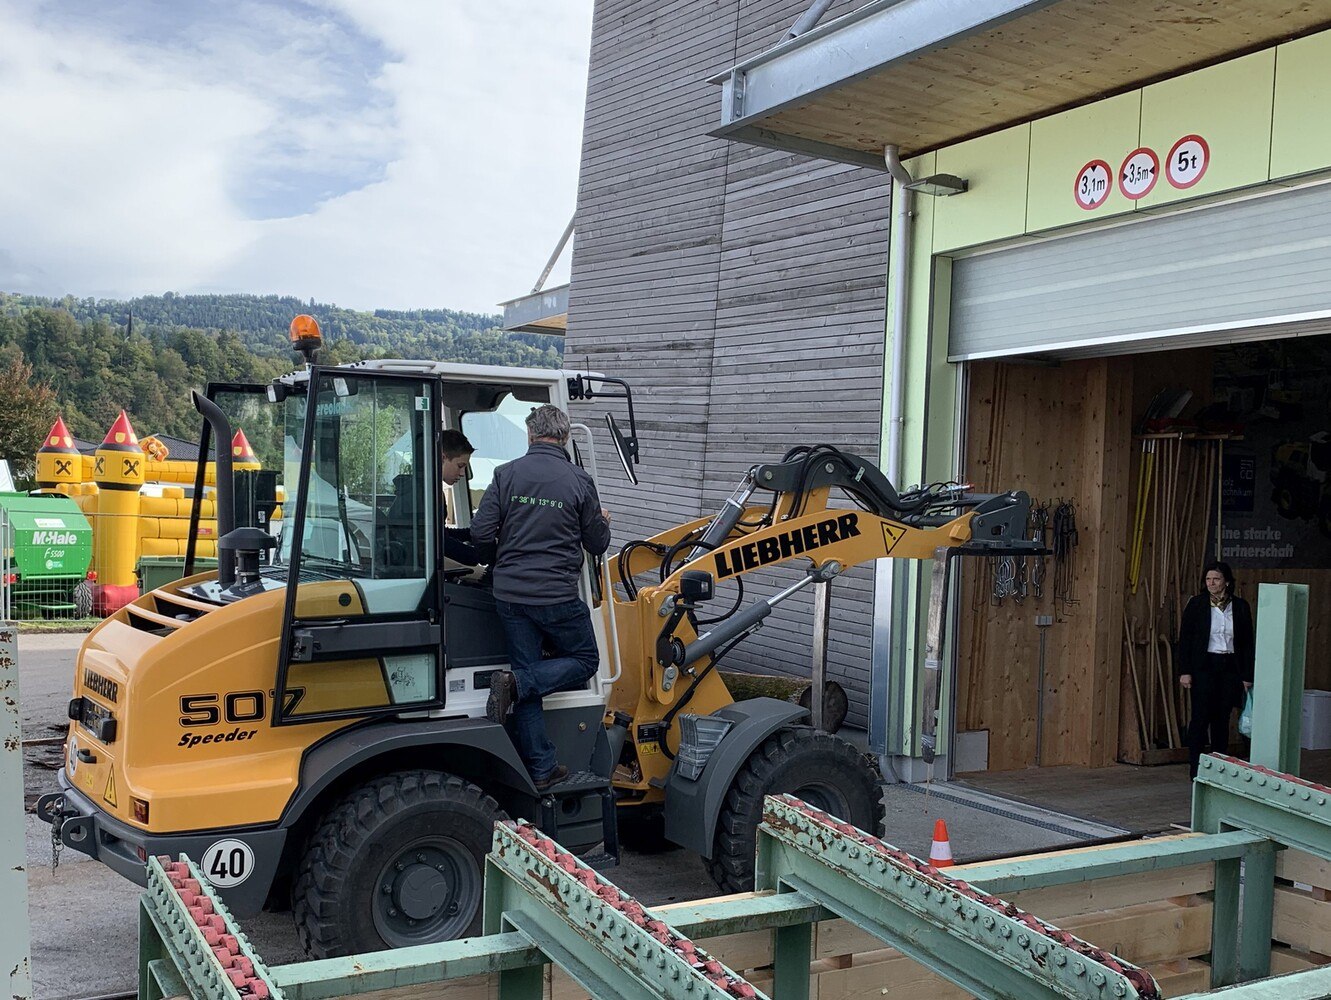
pixel 226 486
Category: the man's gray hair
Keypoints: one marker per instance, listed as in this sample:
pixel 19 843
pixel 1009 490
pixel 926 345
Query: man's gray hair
pixel 548 422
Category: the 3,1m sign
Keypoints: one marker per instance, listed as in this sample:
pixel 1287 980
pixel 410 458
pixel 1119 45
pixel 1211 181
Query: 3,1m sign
pixel 1093 184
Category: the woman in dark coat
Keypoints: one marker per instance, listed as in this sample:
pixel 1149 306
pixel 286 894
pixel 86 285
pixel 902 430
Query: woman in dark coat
pixel 1215 652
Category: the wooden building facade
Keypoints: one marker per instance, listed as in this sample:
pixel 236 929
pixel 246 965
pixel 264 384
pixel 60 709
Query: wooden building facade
pixel 740 291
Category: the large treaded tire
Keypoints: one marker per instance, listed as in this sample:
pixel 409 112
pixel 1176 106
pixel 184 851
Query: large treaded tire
pixel 826 772
pixel 336 898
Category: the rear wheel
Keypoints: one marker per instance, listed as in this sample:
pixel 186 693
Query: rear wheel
pixel 824 771
pixel 397 862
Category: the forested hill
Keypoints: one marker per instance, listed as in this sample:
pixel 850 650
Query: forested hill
pixel 86 359
pixel 260 321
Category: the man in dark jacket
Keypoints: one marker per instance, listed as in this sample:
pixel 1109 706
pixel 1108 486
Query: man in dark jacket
pixel 536 518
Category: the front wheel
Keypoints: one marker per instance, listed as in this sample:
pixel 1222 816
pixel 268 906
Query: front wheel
pixel 826 772
pixel 397 862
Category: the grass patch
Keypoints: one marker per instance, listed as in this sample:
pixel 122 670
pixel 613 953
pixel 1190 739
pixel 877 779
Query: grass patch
pixel 56 625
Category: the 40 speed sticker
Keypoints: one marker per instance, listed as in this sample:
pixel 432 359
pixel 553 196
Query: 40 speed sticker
pixel 227 863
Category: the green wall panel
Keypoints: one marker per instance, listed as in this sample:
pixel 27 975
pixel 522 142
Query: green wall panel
pixel 995 205
pixel 1229 106
pixel 1063 144
pixel 1300 139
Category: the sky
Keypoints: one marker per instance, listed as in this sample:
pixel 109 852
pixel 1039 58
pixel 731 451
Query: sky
pixel 368 153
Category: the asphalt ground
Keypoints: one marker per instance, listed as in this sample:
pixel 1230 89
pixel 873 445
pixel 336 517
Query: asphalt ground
pixel 84 917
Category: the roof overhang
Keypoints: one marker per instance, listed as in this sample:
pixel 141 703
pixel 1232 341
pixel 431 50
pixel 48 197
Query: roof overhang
pixel 923 74
pixel 540 312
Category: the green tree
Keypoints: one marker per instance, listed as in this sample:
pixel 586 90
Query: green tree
pixel 29 409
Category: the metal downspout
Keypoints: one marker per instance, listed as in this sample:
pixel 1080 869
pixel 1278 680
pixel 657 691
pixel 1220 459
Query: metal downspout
pixel 886 570
pixel 808 19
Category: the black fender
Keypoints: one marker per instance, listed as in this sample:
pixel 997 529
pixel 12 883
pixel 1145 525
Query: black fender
pixel 692 808
pixel 479 751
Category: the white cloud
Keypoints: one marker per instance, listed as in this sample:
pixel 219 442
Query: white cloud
pixel 374 153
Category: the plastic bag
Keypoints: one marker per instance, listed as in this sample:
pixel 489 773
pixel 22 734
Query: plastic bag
pixel 1245 717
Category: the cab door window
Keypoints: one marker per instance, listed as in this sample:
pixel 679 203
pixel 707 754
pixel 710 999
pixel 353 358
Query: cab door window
pixel 499 436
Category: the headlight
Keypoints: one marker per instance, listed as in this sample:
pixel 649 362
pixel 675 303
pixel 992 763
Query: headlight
pixel 699 736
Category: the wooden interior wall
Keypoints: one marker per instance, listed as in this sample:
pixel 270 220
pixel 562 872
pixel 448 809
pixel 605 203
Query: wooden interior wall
pixel 1317 670
pixel 1060 432
pixel 1151 373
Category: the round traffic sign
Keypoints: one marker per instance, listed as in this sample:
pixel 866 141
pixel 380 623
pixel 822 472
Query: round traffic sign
pixel 227 863
pixel 1139 173
pixel 1187 161
pixel 1092 185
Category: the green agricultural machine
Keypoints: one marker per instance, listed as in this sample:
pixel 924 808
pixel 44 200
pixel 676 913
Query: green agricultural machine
pixel 45 551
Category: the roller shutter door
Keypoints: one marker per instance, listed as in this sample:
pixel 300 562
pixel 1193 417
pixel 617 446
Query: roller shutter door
pixel 1251 269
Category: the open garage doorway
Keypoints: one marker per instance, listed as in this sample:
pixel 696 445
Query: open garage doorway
pixel 1067 692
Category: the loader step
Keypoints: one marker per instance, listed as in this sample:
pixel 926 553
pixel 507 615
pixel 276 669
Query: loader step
pixel 580 811
pixel 578 781
pixel 600 860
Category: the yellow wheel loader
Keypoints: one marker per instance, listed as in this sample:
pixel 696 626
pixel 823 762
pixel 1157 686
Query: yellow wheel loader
pixel 308 720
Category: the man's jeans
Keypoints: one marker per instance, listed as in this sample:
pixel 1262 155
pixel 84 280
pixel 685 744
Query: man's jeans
pixel 568 629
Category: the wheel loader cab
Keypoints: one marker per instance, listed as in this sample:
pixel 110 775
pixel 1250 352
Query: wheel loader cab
pixel 379 620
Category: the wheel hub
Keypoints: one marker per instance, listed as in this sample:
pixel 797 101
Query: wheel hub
pixel 428 892
pixel 421 892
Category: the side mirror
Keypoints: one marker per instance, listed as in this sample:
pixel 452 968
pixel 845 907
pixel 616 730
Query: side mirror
pixel 626 447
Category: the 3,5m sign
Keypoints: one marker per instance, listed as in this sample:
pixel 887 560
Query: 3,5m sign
pixel 1139 173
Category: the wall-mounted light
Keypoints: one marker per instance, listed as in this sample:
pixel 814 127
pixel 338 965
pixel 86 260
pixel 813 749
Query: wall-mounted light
pixel 939 185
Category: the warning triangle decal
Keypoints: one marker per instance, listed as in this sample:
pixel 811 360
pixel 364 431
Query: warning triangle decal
pixel 892 533
pixel 110 793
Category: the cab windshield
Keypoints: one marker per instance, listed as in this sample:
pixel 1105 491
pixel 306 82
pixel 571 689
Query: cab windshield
pixel 368 505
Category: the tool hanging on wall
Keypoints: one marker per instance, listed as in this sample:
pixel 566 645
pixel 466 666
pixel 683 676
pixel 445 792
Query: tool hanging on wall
pixel 1004 580
pixel 1039 524
pixel 1065 552
pixel 1141 513
pixel 1178 486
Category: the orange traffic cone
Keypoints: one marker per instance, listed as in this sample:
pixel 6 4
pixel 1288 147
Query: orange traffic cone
pixel 940 852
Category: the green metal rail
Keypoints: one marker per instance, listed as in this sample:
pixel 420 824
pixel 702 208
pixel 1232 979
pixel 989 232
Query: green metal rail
pixel 543 906
pixel 189 943
pixel 973 938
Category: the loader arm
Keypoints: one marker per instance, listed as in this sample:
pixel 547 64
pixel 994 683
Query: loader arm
pixel 799 526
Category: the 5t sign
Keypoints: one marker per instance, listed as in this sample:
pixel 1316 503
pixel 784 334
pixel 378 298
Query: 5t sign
pixel 1187 161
